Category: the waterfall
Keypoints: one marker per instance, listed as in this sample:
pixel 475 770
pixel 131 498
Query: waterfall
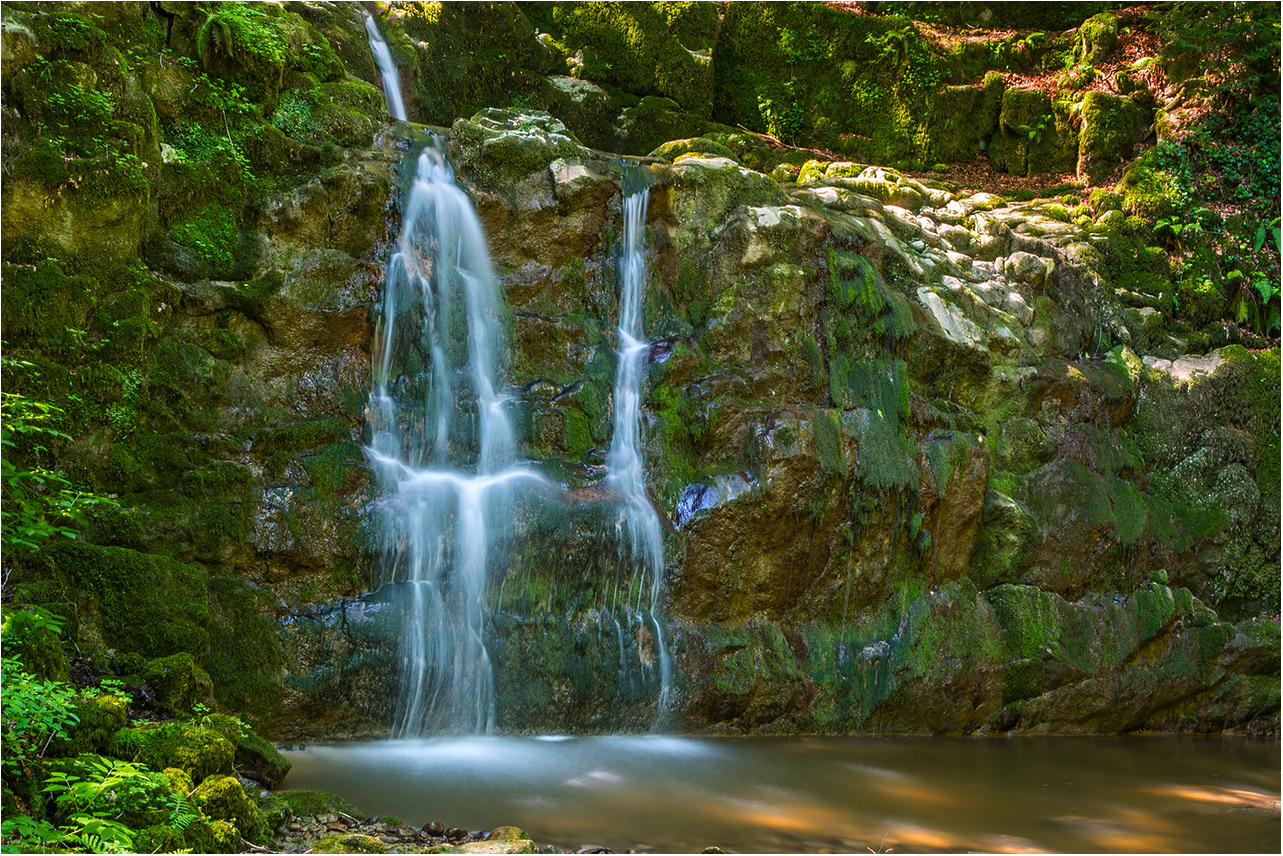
pixel 442 449
pixel 383 57
pixel 624 460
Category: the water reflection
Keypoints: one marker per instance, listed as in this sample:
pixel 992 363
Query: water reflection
pixel 824 795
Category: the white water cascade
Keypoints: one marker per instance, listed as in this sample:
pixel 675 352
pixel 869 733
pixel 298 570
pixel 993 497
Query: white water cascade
pixel 624 460
pixel 383 58
pixel 443 451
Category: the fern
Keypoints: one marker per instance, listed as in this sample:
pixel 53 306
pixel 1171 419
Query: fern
pixel 181 812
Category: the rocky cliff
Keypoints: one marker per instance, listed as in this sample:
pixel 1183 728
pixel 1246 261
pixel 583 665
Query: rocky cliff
pixel 935 459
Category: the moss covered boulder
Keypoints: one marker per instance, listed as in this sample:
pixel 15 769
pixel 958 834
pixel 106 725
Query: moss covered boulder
pixel 194 748
pixel 1109 132
pixel 136 602
pixel 310 803
pixel 179 683
pixel 223 798
pixel 98 721
pixel 352 842
pixel 1035 134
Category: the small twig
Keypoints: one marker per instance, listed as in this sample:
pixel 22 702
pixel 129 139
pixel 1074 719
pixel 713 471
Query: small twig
pixel 254 848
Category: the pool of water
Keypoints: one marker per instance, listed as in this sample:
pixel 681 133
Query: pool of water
pixel 763 795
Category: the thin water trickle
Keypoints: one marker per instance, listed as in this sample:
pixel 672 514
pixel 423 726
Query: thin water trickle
pixel 383 58
pixel 645 538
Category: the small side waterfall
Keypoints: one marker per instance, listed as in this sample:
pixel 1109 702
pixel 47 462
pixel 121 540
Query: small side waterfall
pixel 644 536
pixel 443 451
pixel 383 58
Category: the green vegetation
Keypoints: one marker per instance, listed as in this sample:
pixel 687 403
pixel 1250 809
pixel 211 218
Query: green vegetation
pixel 196 215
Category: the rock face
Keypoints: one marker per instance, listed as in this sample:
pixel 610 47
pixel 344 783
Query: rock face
pixel 932 461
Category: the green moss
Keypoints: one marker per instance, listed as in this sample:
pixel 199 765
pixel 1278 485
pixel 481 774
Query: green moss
pixel 1107 136
pixel 179 682
pixel 1027 617
pixel 301 435
pixel 646 49
pixel 883 458
pixel 1036 134
pixel 211 233
pixel 1136 267
pixel 352 842
pixel 223 798
pixel 828 442
pixel 196 750
pixel 46 308
pixel 142 603
pixel 333 467
pixel 306 803
pixel 962 117
pixel 160 838
pixel 860 85
pixel 248 44
pixel 245 659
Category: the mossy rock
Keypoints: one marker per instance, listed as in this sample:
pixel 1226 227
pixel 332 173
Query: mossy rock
pixel 508 833
pixel 961 119
pixel 114 526
pixel 309 803
pixel 1149 190
pixel 99 720
pixel 160 838
pixel 197 750
pixel 276 812
pixel 223 798
pixel 500 147
pixel 641 48
pixel 256 758
pixel 352 842
pixel 225 836
pixel 674 149
pixel 245 659
pixel 1035 136
pixel 139 602
pixel 587 109
pixel 180 684
pixel 1109 131
pixel 1099 37
pixel 652 121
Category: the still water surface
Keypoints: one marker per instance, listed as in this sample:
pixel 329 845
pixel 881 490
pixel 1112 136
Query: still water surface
pixel 763 795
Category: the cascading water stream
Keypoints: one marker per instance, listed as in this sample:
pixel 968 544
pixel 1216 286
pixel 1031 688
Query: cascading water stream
pixel 442 450
pixel 641 522
pixel 442 446
pixel 383 58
